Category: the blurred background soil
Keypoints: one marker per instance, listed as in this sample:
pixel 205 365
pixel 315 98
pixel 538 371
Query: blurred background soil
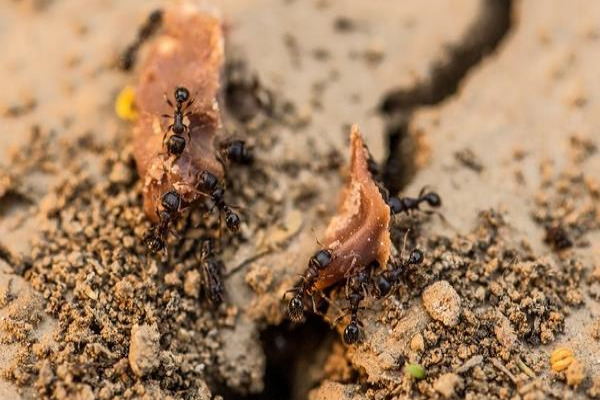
pixel 492 103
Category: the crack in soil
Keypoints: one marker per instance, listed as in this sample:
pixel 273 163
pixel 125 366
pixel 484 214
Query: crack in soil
pixel 482 39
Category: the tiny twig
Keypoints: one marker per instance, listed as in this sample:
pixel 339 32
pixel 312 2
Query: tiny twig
pixel 526 370
pixel 502 368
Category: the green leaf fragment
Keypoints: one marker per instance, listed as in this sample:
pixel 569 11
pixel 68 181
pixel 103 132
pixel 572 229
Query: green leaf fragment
pixel 415 370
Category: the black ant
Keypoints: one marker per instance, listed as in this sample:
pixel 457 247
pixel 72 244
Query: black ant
pixel 176 142
pixel 209 184
pixel 356 289
pixel 317 262
pixel 236 151
pixel 151 25
pixel 386 280
pixel 212 269
pixel 155 237
pixel 407 204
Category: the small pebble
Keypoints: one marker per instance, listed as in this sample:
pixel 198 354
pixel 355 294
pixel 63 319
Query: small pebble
pixel 144 349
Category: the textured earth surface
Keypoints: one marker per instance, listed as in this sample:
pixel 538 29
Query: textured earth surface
pixel 494 104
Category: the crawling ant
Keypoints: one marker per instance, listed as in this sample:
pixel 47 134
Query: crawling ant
pixel 356 289
pixel 317 262
pixel 385 281
pixel 127 59
pixel 408 204
pixel 209 184
pixel 212 269
pixel 155 237
pixel 236 151
pixel 176 142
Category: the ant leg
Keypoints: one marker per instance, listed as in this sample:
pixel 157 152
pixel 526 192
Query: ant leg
pixel 292 290
pixel 168 100
pixel 442 218
pixel 166 134
pixel 173 232
pixel 189 103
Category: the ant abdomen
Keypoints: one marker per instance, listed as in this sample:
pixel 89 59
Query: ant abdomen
pixel 351 333
pixel 236 151
pixel 176 145
pixel 232 220
pixel 171 201
pixel 320 259
pixel 433 199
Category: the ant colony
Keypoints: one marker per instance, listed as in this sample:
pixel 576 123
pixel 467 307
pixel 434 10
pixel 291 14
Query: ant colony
pixel 356 249
pixel 177 140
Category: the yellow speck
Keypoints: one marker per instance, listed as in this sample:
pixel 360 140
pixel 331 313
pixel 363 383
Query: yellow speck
pixel 561 358
pixel 125 104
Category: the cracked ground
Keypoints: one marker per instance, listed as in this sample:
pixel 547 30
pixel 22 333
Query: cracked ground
pixel 492 103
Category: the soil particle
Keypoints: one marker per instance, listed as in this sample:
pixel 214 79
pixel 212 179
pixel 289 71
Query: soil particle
pixel 144 349
pixel 417 343
pixel 575 373
pixel 442 302
pixel 446 384
pixel 330 390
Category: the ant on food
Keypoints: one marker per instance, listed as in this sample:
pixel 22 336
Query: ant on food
pixel 317 262
pixel 155 237
pixel 176 142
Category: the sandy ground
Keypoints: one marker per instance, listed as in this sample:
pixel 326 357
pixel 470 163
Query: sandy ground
pixel 512 152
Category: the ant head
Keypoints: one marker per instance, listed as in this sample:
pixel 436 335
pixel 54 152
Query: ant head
pixel 171 201
pixel 382 286
pixel 181 94
pixel 232 220
pixel 433 199
pixel 296 309
pixel 320 259
pixel 153 243
pixel 416 257
pixel 395 205
pixel 351 333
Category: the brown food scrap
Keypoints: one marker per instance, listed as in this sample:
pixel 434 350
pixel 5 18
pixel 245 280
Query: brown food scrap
pixel 188 53
pixel 359 233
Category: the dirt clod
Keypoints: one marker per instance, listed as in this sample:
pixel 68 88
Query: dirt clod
pixel 143 349
pixel 442 302
pixel 575 373
pixel 446 384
